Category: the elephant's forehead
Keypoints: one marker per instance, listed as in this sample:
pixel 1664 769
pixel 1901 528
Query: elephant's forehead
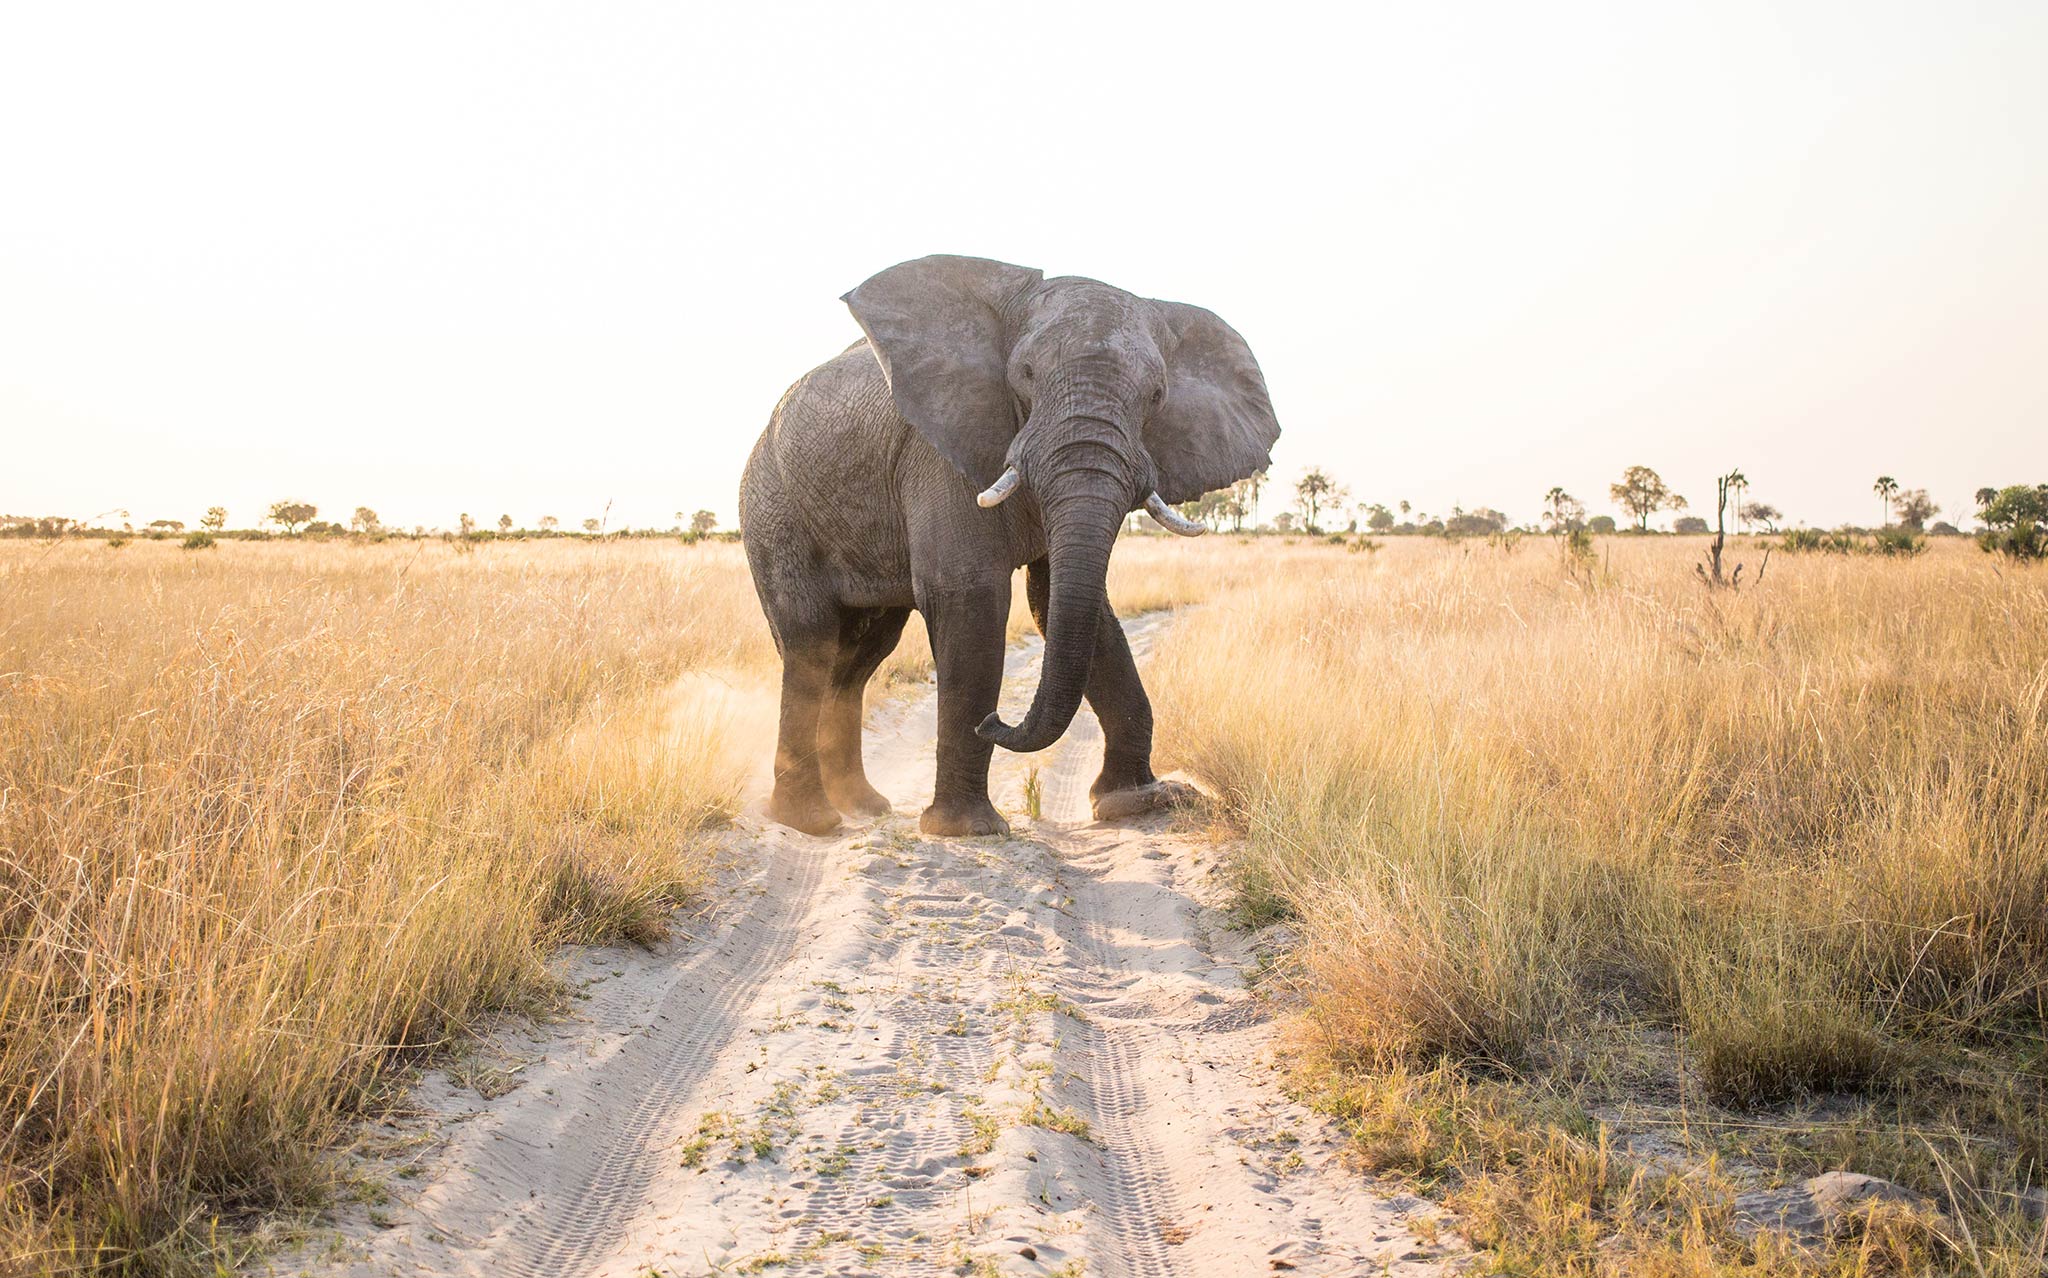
pixel 1073 310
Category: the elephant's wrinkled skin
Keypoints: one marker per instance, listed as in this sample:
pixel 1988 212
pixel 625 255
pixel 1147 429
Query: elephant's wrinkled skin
pixel 859 504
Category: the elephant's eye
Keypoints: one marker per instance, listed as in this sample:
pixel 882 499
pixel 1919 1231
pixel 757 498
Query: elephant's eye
pixel 1158 396
pixel 1027 372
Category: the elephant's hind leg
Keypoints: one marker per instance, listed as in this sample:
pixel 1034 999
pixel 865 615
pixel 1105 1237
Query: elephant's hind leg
pixel 866 638
pixel 799 799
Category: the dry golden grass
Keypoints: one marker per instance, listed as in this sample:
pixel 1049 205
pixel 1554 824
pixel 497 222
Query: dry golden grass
pixel 271 813
pixel 272 816
pixel 1607 827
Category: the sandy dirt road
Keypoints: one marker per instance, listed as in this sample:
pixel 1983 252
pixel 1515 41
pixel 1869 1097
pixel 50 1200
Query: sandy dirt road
pixel 883 1053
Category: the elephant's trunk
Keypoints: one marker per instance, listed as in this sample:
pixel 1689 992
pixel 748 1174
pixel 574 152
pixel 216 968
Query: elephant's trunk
pixel 1081 525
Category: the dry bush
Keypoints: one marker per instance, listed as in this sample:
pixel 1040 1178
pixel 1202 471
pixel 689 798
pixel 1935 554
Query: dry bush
pixel 269 815
pixel 1511 800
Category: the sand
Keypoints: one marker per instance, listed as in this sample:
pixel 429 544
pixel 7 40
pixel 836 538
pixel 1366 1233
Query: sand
pixel 885 1053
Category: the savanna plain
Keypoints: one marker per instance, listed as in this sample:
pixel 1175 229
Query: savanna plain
pixel 1600 908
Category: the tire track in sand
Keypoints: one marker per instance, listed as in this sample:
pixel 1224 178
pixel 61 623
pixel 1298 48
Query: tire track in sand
pixel 610 1165
pixel 1203 1165
pixel 542 1183
pixel 1136 1204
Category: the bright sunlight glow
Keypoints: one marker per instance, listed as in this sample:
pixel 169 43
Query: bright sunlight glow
pixel 532 259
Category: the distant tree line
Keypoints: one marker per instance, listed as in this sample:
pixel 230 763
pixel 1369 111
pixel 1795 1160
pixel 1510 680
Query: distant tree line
pixel 2013 519
pixel 292 517
pixel 1320 501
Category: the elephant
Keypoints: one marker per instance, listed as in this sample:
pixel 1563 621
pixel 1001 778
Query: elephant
pixel 990 418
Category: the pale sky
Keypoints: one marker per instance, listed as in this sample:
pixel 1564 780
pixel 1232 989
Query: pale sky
pixel 509 258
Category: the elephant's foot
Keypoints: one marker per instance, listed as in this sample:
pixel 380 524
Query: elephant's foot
pixel 963 817
pixel 1122 805
pixel 799 811
pixel 855 797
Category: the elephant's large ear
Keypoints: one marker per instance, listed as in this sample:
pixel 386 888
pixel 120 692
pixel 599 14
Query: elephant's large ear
pixel 1217 424
pixel 937 326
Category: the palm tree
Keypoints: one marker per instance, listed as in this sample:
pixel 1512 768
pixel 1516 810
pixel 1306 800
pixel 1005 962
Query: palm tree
pixel 1555 501
pixel 1884 488
pixel 1738 484
pixel 1314 491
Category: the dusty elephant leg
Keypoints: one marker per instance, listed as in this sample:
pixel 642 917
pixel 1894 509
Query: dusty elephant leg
pixel 866 638
pixel 799 799
pixel 1125 787
pixel 967 628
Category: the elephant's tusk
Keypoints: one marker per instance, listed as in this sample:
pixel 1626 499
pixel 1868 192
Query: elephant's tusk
pixel 1156 506
pixel 999 492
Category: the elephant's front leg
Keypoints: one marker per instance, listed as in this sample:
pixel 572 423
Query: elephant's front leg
pixel 1125 787
pixel 967 625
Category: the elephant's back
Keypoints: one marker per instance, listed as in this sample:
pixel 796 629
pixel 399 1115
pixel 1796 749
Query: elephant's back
pixel 828 460
pixel 836 431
